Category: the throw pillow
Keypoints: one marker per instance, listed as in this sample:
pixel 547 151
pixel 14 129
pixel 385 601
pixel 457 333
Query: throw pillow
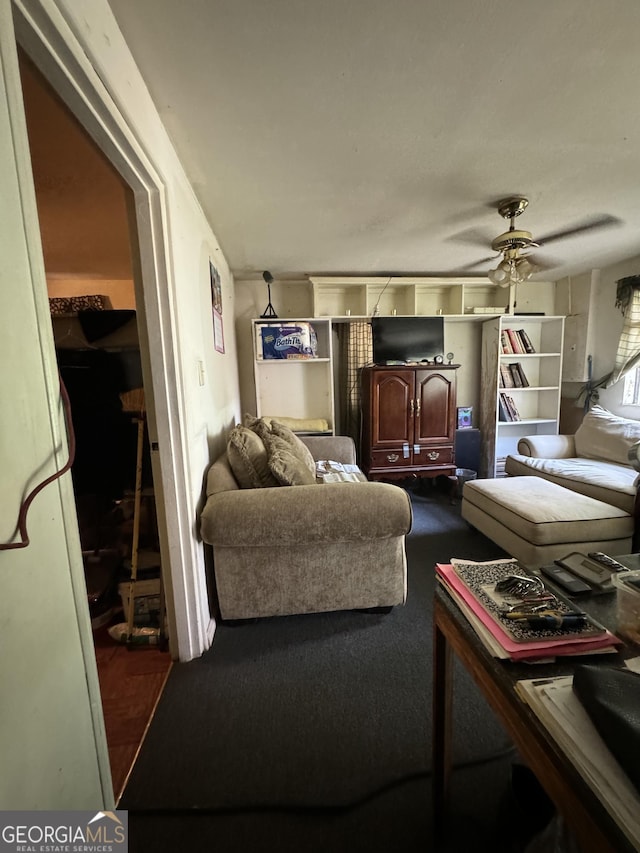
pixel 252 422
pixel 298 447
pixel 603 435
pixel 286 466
pixel 262 429
pixel 248 459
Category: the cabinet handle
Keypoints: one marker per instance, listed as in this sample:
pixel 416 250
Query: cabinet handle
pixel 393 457
pixel 433 455
pixel 418 407
pixel 411 408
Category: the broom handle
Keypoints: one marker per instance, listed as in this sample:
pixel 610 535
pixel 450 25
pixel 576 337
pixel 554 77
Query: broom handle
pixel 136 526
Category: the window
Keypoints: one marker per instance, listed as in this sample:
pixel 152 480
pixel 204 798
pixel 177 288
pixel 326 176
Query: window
pixel 631 393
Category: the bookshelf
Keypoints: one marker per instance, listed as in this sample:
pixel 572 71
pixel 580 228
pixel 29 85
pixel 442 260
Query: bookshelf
pixel 295 388
pixel 509 412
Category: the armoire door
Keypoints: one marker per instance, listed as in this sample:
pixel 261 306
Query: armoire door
pixel 435 395
pixel 392 408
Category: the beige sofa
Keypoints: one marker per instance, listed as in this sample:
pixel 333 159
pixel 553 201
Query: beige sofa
pixel 593 462
pixel 293 549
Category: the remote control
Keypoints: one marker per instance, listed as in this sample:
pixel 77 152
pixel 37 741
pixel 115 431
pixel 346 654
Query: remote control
pixel 596 574
pixel 606 560
pixel 562 578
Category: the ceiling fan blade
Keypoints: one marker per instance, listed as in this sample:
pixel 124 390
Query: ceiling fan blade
pixel 595 224
pixel 542 264
pixel 471 237
pixel 479 263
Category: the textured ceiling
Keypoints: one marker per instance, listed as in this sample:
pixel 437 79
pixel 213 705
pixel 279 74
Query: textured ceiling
pixel 377 136
pixel 354 136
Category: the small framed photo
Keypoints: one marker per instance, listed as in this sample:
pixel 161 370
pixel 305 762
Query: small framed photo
pixel 465 417
pixel 216 301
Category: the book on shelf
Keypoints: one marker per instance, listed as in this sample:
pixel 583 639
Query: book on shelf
pixel 503 415
pixel 506 377
pixel 512 409
pixel 472 586
pixel 505 343
pixel 516 342
pixel 515 373
pixel 526 341
pixel 519 377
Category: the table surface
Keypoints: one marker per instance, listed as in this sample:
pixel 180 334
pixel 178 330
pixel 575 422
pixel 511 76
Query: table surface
pixel 583 810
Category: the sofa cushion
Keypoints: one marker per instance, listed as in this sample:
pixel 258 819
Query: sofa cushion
pixel 604 481
pixel 257 424
pixel 603 435
pixel 298 447
pixel 286 465
pixel 249 460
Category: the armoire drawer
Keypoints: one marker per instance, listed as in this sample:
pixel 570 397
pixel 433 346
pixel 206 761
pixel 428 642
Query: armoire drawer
pixel 390 458
pixel 434 455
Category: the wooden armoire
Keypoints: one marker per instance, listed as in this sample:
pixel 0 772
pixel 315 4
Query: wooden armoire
pixel 409 421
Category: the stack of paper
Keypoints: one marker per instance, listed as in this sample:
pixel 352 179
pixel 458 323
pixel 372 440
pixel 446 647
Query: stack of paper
pixel 494 632
pixel 561 712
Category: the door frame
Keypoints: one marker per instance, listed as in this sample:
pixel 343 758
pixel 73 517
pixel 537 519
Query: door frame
pixel 43 33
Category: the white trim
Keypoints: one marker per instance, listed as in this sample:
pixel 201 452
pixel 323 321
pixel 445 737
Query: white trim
pixel 65 59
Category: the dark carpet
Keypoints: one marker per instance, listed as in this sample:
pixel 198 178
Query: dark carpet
pixel 314 732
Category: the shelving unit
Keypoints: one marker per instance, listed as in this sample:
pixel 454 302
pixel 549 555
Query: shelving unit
pixel 296 388
pixel 335 296
pixel 538 404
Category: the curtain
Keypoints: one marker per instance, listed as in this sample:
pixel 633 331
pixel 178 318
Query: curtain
pixel 355 349
pixel 628 353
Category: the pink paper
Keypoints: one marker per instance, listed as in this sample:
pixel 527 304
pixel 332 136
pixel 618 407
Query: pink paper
pixel 520 651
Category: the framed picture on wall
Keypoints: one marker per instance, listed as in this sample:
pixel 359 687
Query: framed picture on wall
pixel 216 301
pixel 465 417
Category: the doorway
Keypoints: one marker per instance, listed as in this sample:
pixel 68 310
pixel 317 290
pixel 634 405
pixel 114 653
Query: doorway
pixel 83 208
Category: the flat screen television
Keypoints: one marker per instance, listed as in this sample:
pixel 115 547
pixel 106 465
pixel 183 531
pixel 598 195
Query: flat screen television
pixel 407 338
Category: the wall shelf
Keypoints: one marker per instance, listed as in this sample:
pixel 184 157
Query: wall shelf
pixel 351 296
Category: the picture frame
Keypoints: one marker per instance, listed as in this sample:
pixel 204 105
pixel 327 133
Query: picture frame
pixel 465 417
pixel 216 302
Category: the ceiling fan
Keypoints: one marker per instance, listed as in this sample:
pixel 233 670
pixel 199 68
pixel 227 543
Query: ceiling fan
pixel 518 264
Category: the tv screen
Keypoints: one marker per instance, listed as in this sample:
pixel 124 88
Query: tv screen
pixel 407 338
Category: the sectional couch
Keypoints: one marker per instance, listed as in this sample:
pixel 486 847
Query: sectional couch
pixel 593 462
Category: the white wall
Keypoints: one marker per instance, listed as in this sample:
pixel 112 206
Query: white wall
pixel 51 729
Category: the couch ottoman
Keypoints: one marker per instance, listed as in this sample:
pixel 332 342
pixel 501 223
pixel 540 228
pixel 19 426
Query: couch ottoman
pixel 537 521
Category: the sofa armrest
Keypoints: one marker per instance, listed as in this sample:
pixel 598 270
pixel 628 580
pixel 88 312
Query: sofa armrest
pixel 286 515
pixel 338 448
pixel 548 446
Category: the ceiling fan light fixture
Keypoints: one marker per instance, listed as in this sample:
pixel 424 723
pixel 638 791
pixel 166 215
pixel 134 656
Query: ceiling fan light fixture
pixel 525 268
pixel 499 276
pixel 511 270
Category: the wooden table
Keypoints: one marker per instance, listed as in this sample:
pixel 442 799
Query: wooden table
pixel 584 813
